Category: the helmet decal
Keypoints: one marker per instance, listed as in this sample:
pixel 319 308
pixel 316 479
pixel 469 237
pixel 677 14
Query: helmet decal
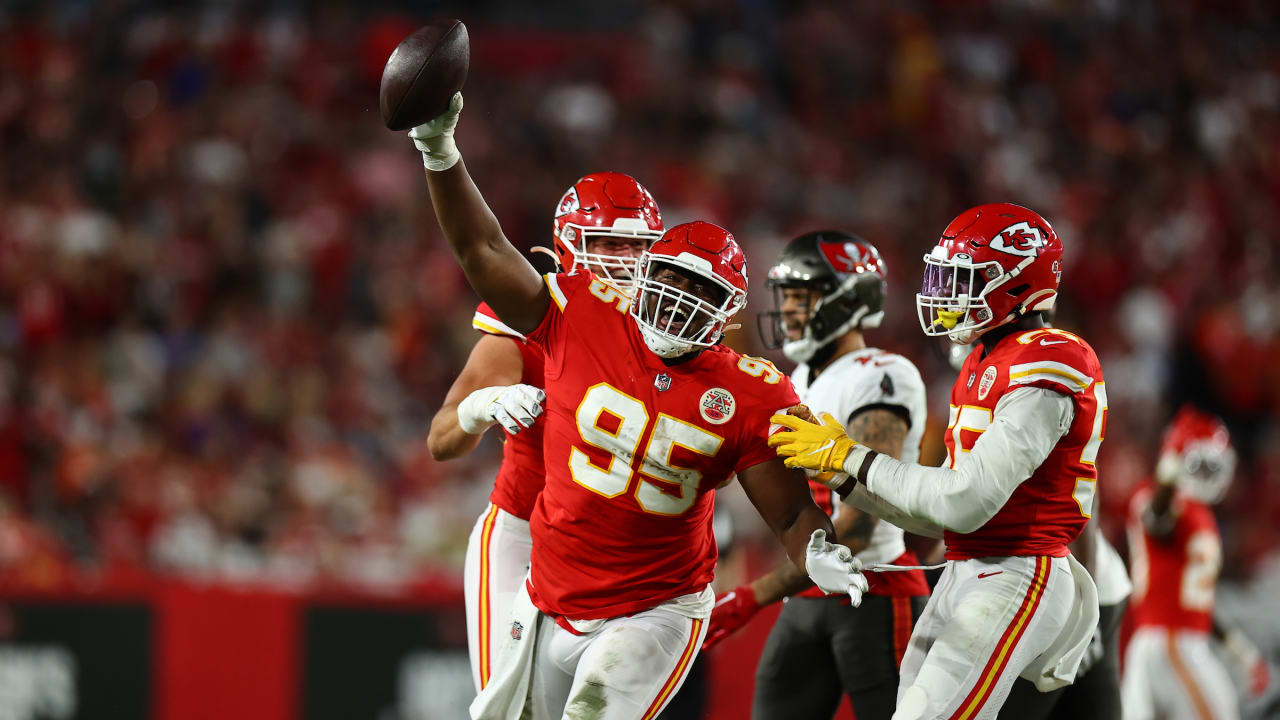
pixel 850 257
pixel 568 203
pixel 1020 238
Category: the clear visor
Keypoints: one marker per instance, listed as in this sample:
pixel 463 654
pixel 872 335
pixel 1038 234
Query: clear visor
pixel 950 301
pixel 622 269
pixel 679 316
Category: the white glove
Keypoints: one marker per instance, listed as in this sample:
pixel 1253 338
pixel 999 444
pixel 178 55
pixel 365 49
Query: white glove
pixel 513 406
pixel 833 568
pixel 435 137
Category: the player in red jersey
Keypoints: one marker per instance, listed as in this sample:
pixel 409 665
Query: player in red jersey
pixel 1027 419
pixel 603 222
pixel 1175 552
pixel 645 415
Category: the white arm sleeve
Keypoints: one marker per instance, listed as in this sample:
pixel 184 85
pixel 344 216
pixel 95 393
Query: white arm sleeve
pixel 870 503
pixel 1027 424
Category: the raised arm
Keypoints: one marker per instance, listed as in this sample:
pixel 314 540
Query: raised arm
pixel 493 266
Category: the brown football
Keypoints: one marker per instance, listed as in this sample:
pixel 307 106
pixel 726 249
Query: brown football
pixel 423 73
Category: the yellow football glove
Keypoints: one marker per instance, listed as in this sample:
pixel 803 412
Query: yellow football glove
pixel 811 446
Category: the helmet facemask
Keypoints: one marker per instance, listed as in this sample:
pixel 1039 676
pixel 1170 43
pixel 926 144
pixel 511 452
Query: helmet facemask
pixel 952 298
pixel 836 312
pixel 674 322
pixel 621 270
pixel 1203 470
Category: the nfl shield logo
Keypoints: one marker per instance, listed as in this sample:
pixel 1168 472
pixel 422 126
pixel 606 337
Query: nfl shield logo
pixel 662 382
pixel 972 377
pixel 516 630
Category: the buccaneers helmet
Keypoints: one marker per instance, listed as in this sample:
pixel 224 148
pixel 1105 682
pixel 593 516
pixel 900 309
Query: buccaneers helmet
pixel 993 264
pixel 605 204
pixel 847 274
pixel 672 321
pixel 1197 455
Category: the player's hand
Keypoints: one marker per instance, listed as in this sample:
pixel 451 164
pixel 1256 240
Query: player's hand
pixel 434 138
pixel 515 407
pixel 733 610
pixel 833 568
pixel 822 447
pixel 1247 661
pixel 1168 468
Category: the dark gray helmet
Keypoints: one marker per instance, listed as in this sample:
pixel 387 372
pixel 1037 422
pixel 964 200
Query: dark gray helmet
pixel 845 270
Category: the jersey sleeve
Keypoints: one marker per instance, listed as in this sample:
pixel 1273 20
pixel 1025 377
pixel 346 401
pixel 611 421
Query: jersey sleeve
pixel 486 321
pixel 1054 360
pixel 754 432
pixel 564 287
pixel 888 381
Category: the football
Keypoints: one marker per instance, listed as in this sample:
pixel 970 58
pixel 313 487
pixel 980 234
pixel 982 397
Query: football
pixel 423 73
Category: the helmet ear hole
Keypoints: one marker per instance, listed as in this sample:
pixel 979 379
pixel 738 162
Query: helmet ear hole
pixel 1018 290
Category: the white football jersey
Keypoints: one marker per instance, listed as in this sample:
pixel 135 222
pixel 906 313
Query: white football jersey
pixel 866 378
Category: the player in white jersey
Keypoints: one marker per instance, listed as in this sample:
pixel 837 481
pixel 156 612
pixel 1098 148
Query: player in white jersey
pixel 829 287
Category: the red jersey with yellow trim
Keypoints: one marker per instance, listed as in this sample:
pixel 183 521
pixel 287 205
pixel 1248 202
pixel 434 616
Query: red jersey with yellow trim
pixel 520 477
pixel 1049 509
pixel 634 449
pixel 1174 577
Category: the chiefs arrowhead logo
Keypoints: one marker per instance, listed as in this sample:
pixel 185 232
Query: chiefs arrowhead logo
pixel 568 203
pixel 1020 238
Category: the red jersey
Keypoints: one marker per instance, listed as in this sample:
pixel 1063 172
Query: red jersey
pixel 1049 509
pixel 1174 577
pixel 520 477
pixel 634 449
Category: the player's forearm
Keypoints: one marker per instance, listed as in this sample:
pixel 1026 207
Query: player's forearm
pixel 794 534
pixel 494 268
pixel 469 226
pixel 856 495
pixel 1159 517
pixel 786 580
pixel 446 439
pixel 1025 429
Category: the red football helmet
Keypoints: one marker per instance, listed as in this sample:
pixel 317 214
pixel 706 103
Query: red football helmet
pixel 1197 455
pixel 672 321
pixel 605 204
pixel 993 264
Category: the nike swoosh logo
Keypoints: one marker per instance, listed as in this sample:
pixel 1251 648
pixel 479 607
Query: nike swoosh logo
pixel 825 445
pixel 989 574
pixel 1052 342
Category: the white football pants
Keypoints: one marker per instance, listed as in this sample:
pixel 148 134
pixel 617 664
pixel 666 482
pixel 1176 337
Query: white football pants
pixel 624 668
pixel 1172 674
pixel 497 562
pixel 987 619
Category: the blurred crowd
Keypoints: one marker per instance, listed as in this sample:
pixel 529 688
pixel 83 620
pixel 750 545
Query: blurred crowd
pixel 227 315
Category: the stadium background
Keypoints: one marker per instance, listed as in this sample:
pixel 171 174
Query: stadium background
pixel 227 314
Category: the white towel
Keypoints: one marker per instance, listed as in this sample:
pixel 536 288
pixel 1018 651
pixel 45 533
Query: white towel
pixel 508 689
pixel 1057 665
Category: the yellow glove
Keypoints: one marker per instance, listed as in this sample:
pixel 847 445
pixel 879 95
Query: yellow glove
pixel 811 446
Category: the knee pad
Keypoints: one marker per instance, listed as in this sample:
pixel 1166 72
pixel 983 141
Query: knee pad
pixel 913 704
